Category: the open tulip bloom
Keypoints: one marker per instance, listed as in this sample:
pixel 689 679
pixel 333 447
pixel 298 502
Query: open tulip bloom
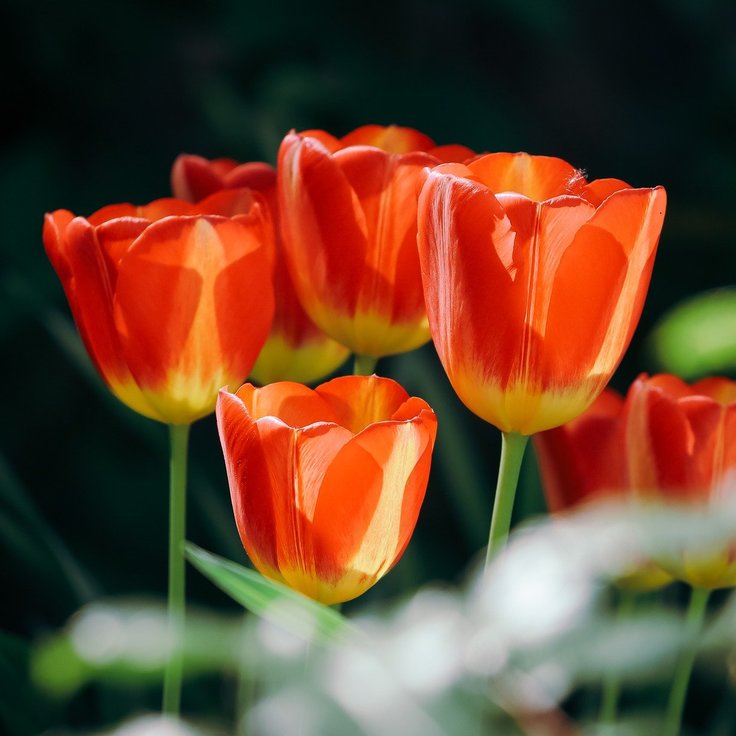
pixel 296 349
pixel 349 222
pixel 534 282
pixel 326 484
pixel 173 300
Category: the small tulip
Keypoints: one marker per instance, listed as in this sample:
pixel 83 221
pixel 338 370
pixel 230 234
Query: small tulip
pixel 349 221
pixel 296 349
pixel 173 300
pixel 534 282
pixel 326 484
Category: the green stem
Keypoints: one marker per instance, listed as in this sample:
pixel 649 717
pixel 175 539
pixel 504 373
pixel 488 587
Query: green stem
pixel 179 439
pixel 364 365
pixel 512 453
pixel 612 680
pixel 693 625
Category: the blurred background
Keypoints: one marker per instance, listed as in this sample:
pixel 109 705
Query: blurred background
pixel 101 97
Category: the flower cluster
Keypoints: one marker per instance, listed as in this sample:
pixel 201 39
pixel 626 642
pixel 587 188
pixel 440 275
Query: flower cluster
pixel 528 278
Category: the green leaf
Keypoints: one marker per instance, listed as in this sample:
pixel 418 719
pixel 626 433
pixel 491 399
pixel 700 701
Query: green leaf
pixel 698 336
pixel 271 600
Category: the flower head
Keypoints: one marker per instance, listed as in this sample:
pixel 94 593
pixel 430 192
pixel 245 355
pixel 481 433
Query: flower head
pixel 326 484
pixel 173 300
pixel 534 282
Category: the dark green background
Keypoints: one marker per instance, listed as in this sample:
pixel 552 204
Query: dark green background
pixel 99 98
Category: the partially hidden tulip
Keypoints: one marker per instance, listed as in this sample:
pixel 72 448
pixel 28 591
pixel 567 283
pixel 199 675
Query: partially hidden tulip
pixel 296 349
pixel 681 443
pixel 349 220
pixel 173 300
pixel 326 484
pixel 534 281
pixel 666 446
pixel 586 461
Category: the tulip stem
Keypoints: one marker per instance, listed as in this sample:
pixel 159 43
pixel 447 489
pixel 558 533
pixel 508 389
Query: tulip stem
pixel 179 440
pixel 693 625
pixel 611 689
pixel 364 365
pixel 512 453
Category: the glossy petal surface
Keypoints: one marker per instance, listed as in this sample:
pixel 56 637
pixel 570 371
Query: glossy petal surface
pixel 326 484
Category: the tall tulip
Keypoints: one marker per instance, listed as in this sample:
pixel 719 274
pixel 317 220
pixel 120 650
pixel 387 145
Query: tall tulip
pixel 296 349
pixel 349 215
pixel 534 281
pixel 172 300
pixel 326 484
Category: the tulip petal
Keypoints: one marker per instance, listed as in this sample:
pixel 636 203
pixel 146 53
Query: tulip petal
pixel 324 229
pixel 388 187
pixel 258 488
pixel 194 178
pixel 293 403
pixel 85 273
pixel 189 275
pixel 536 177
pixel 391 138
pixel 457 218
pixel 584 459
pixel 359 401
pixel 359 528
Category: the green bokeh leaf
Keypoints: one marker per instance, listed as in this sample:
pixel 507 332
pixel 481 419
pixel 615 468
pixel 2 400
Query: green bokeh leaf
pixel 698 336
pixel 271 600
pixel 127 644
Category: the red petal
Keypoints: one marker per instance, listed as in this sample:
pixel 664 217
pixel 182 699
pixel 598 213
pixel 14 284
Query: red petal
pixel 194 178
pixel 323 227
pixel 358 521
pixel 194 302
pixel 465 244
pixel 584 458
pixel 391 138
pixel 359 401
pixel 536 177
pixel 293 403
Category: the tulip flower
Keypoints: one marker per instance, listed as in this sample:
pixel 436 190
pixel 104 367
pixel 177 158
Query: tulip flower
pixel 534 281
pixel 349 221
pixel 681 447
pixel 326 484
pixel 172 300
pixel 669 446
pixel 296 349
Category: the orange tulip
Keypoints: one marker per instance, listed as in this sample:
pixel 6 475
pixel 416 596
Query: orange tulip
pixel 534 282
pixel 667 443
pixel 681 443
pixel 172 300
pixel 296 349
pixel 349 220
pixel 585 461
pixel 327 484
